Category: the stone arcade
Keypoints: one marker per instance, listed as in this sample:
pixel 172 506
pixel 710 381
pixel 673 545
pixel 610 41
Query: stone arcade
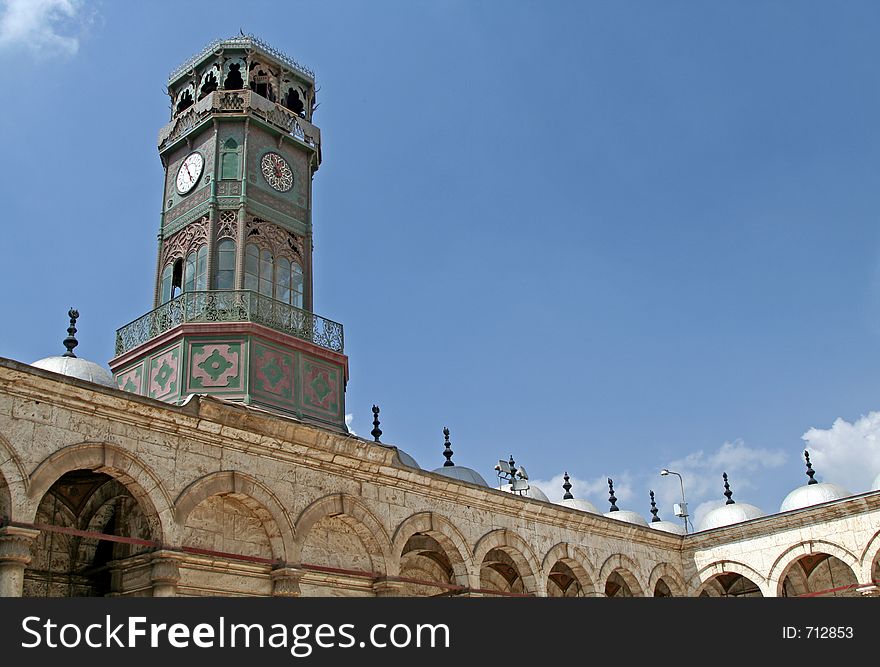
pixel 215 460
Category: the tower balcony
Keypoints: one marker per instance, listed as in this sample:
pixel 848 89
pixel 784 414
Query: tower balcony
pixel 239 345
pixel 231 306
pixel 239 102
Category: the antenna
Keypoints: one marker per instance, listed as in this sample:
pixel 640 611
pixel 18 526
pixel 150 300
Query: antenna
pixel 508 473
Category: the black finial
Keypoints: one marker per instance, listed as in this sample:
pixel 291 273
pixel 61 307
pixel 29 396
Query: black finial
pixel 654 510
pixel 567 487
pixel 376 432
pixel 71 342
pixel 727 491
pixel 512 464
pixel 810 471
pixel 611 498
pixel 448 451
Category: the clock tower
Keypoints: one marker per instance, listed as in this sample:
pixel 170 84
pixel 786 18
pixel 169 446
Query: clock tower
pixel 233 313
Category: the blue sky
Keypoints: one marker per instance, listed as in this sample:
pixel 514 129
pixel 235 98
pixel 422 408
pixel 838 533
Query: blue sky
pixel 604 237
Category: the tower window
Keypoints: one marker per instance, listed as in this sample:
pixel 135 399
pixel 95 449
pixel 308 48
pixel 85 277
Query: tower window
pixel 185 101
pixel 261 85
pixel 209 85
pixel 195 276
pixel 229 160
pixel 278 278
pixel 233 79
pixel 172 279
pixel 225 278
pixel 267 273
pixel 166 282
pixel 293 101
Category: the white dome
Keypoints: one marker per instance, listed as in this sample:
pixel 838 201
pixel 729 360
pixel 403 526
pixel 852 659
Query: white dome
pixel 627 516
pixel 727 515
pixel 407 460
pixel 533 492
pixel 462 474
pixel 77 368
pixel 812 494
pixel 876 485
pixel 667 527
pixel 579 504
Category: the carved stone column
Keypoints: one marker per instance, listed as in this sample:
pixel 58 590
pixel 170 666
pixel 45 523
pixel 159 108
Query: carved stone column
pixel 384 588
pixel 164 574
pixel 285 582
pixel 15 554
pixel 869 590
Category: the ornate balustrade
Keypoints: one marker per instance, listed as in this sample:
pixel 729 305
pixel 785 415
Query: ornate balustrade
pixel 231 306
pixel 240 101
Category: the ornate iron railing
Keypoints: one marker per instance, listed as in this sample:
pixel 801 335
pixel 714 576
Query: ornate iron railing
pixel 231 306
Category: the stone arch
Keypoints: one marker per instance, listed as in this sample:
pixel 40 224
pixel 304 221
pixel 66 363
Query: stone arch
pixel 185 99
pixel 235 83
pixel 442 530
pixel 210 80
pixel 519 551
pixel 571 556
pixel 806 548
pixel 869 557
pixel 267 507
pixel 141 482
pixel 358 517
pixel 788 558
pixel 626 568
pixel 702 579
pixel 13 479
pixel 670 576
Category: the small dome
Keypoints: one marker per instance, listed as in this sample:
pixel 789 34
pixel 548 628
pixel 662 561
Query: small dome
pixel 667 527
pixel 876 485
pixel 812 494
pixel 536 493
pixel 407 460
pixel 727 515
pixel 78 368
pixel 532 492
pixel 579 504
pixel 627 516
pixel 462 474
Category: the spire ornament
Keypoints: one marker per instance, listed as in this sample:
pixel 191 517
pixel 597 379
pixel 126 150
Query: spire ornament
pixel 810 472
pixel 447 452
pixel 376 432
pixel 567 487
pixel 611 498
pixel 71 342
pixel 727 492
pixel 654 510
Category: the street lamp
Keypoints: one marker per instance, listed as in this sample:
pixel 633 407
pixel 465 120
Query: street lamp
pixel 681 511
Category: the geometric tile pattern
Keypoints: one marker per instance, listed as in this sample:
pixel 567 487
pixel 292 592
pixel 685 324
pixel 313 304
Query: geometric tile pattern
pixel 320 387
pixel 216 365
pixel 132 379
pixel 272 373
pixel 164 372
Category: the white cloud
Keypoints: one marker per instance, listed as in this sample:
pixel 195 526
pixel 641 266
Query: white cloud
pixel 847 453
pixel 45 27
pixel 349 417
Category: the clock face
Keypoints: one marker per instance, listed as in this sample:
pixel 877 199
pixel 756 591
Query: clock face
pixel 189 172
pixel 277 172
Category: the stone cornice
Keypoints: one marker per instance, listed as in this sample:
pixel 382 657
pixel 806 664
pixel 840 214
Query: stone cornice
pixel 815 515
